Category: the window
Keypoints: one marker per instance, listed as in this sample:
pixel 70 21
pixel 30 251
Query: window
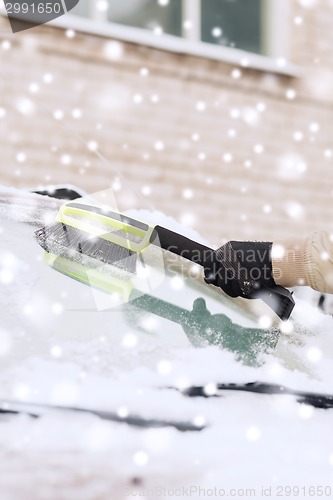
pixel 232 23
pixel 148 14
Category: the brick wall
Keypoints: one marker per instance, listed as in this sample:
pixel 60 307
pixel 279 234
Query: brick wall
pixel 247 157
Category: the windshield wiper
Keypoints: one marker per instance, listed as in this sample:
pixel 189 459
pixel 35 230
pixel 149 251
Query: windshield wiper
pixel 317 400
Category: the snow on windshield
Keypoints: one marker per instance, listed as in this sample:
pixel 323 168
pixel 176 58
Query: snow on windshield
pixel 58 345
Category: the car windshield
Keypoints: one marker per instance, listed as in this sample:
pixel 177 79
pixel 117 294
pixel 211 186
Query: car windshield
pixel 166 304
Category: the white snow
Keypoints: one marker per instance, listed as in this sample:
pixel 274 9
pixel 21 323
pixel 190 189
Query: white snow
pixel 56 347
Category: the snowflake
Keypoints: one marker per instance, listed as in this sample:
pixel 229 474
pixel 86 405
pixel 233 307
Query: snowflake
pixel 141 458
pixel 92 145
pixel 21 157
pixel 201 106
pixel 113 50
pixel 33 88
pixel 102 5
pixel 25 106
pixel 65 159
pixel 314 354
pixel 236 73
pixel 164 367
pixel 253 433
pixel 314 127
pixel 70 34
pixel 144 72
pixel 130 340
pixel 187 24
pixel 48 78
pixel 227 157
pixel 6 45
pixel 290 94
pixel 137 99
pixel 217 32
pixel 199 421
pixel 281 62
pixel 56 351
pixel 58 114
pixel 76 113
pixel 159 146
pixel 258 149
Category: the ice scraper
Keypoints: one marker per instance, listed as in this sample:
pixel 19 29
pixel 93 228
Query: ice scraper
pixel 240 269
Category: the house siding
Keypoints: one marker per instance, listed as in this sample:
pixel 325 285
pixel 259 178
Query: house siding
pixel 204 151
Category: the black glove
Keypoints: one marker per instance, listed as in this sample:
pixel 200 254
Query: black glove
pixel 241 268
pixel 244 269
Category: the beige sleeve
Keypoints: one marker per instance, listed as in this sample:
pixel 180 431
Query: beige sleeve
pixel 305 262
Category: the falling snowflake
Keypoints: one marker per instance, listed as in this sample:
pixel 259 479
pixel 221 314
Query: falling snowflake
pixel 25 106
pixel 201 106
pixel 102 5
pixel 58 114
pixel 261 107
pixel 21 157
pixel 144 72
pixel 48 78
pixel 314 354
pixel 137 99
pixel 164 367
pixel 253 433
pixel 314 127
pixel 235 113
pixel 227 157
pixel 236 73
pixel 34 88
pixel 187 24
pixel 5 45
pixel 70 34
pixel 56 351
pixel 217 32
pixel 113 50
pixel 140 458
pixel 290 94
pixel 130 340
pixel 159 146
pixel 76 113
pixel 258 149
pixel 92 145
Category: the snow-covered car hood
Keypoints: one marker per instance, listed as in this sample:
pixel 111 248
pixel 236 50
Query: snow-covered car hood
pixel 57 346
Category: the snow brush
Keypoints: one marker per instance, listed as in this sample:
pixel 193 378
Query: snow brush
pixel 111 238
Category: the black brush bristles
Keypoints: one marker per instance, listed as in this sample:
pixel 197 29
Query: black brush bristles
pixel 68 242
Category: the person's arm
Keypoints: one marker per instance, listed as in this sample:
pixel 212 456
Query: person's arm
pixel 305 262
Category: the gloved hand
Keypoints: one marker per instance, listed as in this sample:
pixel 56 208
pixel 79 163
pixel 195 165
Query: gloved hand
pixel 241 268
pixel 244 269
